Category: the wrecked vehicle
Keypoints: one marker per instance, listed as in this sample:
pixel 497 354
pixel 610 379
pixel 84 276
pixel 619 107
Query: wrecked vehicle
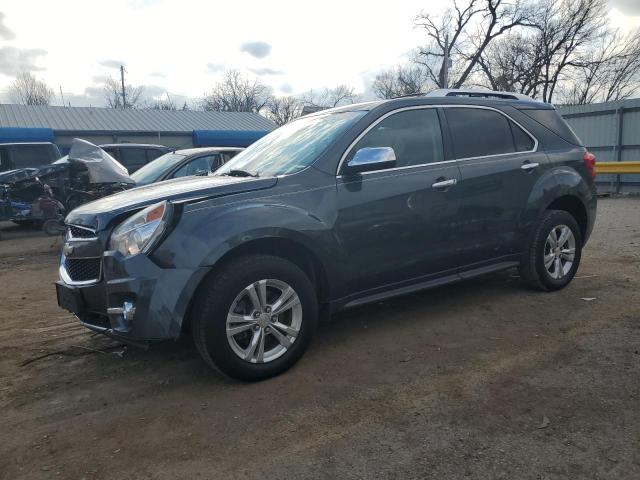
pixel 93 174
pixel 25 199
pixel 340 208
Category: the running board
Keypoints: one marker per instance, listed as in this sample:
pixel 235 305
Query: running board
pixel 377 297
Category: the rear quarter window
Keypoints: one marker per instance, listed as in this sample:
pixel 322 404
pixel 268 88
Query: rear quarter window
pixel 552 120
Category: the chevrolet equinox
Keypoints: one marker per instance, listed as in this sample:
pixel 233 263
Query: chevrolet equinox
pixel 336 209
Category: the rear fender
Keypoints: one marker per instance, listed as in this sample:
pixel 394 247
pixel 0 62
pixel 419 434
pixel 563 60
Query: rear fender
pixel 557 182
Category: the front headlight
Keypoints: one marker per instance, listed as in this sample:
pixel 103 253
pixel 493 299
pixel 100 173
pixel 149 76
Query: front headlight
pixel 140 231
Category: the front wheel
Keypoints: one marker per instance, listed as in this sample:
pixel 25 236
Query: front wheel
pixel 255 317
pixel 554 253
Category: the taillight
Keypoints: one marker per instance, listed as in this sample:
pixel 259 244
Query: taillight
pixel 590 162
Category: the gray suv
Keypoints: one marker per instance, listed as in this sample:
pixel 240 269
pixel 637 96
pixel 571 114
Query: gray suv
pixel 336 209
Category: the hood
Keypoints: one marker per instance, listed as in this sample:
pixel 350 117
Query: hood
pixel 98 214
pixel 102 167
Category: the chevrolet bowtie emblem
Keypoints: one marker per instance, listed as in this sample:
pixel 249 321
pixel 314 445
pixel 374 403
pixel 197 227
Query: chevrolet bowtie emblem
pixel 67 249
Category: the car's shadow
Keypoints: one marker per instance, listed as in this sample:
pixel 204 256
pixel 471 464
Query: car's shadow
pixel 352 327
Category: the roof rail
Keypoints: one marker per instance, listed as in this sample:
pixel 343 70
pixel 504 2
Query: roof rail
pixel 454 92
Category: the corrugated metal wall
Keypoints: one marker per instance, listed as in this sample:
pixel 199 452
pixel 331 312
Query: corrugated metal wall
pixel 63 139
pixel 612 132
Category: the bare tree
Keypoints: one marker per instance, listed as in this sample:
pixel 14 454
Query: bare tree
pixel 237 93
pixel 113 94
pixel 284 109
pixel 403 80
pixel 466 31
pixel 559 53
pixel 567 28
pixel 608 73
pixel 330 97
pixel 512 63
pixel 28 90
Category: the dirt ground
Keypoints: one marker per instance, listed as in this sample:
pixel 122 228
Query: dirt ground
pixel 483 380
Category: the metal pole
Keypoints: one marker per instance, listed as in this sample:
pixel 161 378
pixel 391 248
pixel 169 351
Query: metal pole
pixel 619 146
pixel 62 95
pixel 124 98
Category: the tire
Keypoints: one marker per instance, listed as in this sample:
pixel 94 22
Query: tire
pixel 225 301
pixel 552 276
pixel 53 227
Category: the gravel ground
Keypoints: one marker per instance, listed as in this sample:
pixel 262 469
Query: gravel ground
pixel 483 379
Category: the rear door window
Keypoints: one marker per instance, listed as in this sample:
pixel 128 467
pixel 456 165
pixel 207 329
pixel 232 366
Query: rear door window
pixel 479 132
pixel 133 158
pixel 226 156
pixel 414 135
pixel 30 156
pixel 198 166
pixel 522 139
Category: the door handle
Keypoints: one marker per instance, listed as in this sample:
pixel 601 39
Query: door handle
pixel 529 166
pixel 444 184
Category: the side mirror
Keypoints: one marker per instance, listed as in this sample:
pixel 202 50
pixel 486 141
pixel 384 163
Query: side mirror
pixel 368 159
pixel 201 173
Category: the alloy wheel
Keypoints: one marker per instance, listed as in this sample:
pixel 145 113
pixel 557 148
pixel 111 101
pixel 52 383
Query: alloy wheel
pixel 264 321
pixel 559 251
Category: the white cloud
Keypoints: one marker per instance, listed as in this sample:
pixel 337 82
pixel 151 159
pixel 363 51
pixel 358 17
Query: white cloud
pixel 5 32
pixel 110 63
pixel 266 71
pixel 15 60
pixel 256 49
pixel 215 67
pixel 332 45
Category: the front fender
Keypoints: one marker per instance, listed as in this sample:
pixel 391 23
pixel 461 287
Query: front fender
pixel 205 235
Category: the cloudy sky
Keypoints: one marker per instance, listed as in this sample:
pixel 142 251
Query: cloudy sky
pixel 182 47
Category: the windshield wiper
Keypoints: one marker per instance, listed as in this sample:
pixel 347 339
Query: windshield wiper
pixel 240 173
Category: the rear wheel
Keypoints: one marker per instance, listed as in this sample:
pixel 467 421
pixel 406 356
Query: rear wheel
pixel 555 251
pixel 255 317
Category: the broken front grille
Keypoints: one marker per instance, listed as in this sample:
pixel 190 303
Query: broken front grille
pixel 80 232
pixel 83 269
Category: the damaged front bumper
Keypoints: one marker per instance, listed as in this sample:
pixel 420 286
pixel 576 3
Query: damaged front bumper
pixel 132 298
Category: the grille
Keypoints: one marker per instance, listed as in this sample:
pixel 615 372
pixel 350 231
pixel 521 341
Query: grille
pixel 82 269
pixel 79 232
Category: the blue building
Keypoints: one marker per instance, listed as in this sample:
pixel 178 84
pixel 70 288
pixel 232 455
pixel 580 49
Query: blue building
pixel 177 129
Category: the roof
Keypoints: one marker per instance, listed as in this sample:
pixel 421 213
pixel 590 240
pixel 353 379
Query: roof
pixel 415 100
pixel 192 151
pixel 90 119
pixel 127 144
pixel 478 93
pixel 8 144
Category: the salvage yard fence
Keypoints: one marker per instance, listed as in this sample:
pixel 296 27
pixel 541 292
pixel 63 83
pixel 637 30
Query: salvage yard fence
pixel 611 131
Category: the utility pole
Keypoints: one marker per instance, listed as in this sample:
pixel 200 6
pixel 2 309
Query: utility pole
pixel 62 95
pixel 124 97
pixel 445 63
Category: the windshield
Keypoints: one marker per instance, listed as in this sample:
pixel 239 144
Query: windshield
pixel 153 170
pixel 291 147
